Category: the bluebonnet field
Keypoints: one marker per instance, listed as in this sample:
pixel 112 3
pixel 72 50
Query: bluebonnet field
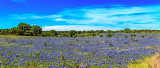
pixel 117 51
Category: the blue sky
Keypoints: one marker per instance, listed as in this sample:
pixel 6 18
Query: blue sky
pixel 81 14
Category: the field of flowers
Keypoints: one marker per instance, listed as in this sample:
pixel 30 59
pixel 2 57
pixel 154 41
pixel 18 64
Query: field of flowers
pixel 117 51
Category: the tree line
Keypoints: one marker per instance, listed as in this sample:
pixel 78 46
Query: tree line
pixel 24 29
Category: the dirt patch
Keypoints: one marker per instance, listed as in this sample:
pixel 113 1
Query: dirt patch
pixel 155 61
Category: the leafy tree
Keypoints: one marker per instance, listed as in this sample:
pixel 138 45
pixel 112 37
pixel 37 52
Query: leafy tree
pixel 20 31
pixel 37 30
pixel 127 30
pixel 72 32
pixel 109 35
pixel 54 33
pixel 92 31
pixel 88 31
pixel 64 35
pixel 28 33
pixel 13 30
pixel 83 31
pixel 101 31
pixel 44 34
pixel 23 26
pixel 109 31
pixel 97 31
pixel 79 32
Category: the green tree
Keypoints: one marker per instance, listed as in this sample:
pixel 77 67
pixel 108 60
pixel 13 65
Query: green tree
pixel 28 33
pixel 83 31
pixel 127 30
pixel 79 32
pixel 13 30
pixel 101 31
pixel 44 34
pixel 64 35
pixel 23 26
pixel 54 33
pixel 109 35
pixel 37 30
pixel 72 33
pixel 20 32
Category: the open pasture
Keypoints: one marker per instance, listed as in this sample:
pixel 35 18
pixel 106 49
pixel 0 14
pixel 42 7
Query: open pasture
pixel 117 51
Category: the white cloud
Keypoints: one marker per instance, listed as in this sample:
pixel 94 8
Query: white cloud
pixel 140 26
pixel 32 16
pixel 77 27
pixel 120 17
pixel 139 14
pixel 61 19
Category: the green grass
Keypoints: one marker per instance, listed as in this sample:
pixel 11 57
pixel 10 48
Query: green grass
pixel 148 62
pixel 17 36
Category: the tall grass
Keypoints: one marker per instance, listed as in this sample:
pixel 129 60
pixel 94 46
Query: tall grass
pixel 150 62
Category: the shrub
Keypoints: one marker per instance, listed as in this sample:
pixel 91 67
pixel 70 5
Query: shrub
pixel 136 40
pixel 117 38
pixel 131 35
pixel 126 36
pixel 110 44
pixel 70 42
pixel 45 44
pixel 101 35
pixel 125 42
pixel 134 35
pixel 142 36
pixel 109 35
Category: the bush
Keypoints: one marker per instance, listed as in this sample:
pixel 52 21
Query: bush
pixel 45 44
pixel 126 36
pixel 109 35
pixel 142 36
pixel 131 35
pixel 110 44
pixel 125 42
pixel 101 35
pixel 134 35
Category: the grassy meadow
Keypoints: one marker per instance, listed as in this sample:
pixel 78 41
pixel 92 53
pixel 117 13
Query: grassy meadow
pixel 117 51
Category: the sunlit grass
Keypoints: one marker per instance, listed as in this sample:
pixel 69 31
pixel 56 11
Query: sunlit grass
pixel 149 62
pixel 77 53
pixel 17 36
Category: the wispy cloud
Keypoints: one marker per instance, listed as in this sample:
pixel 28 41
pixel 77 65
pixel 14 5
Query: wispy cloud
pixel 77 27
pixel 141 14
pixel 117 17
pixel 32 16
